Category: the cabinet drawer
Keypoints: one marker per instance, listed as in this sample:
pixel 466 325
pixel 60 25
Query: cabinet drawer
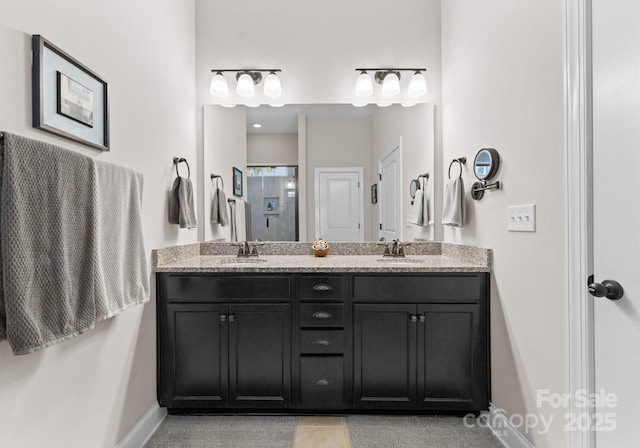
pixel 327 287
pixel 322 342
pixel 322 315
pixel 441 288
pixel 322 382
pixel 211 287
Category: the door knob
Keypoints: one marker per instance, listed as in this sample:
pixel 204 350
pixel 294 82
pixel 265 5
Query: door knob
pixel 610 289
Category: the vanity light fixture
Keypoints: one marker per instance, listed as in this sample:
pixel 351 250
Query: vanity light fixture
pixel 257 125
pixel 246 82
pixel 389 79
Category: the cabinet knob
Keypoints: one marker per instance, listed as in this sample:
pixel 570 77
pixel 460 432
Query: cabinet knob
pixel 322 287
pixel 322 315
pixel 321 382
pixel 323 342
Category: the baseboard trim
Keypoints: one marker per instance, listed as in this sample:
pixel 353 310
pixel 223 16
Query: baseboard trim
pixel 144 429
pixel 506 433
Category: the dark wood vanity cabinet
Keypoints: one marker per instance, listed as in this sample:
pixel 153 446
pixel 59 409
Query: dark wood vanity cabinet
pixel 323 343
pixel 224 350
pixel 428 349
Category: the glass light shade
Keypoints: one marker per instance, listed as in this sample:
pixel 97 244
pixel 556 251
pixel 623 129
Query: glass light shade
pixel 364 85
pixel 390 85
pixel 245 87
pixel 272 86
pixel 360 104
pixel 383 104
pixel 228 105
pixel 219 87
pixel 253 105
pixel 408 104
pixel 276 104
pixel 417 86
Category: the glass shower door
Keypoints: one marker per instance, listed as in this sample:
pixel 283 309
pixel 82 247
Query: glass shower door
pixel 273 195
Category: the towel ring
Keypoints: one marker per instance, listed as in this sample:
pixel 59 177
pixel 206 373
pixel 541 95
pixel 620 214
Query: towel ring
pixel 216 177
pixel 177 161
pixel 461 161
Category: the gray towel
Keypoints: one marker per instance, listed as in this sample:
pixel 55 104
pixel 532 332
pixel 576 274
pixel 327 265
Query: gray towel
pixel 121 262
pixel 453 212
pixel 55 221
pixel 232 216
pixel 219 208
pixel 182 209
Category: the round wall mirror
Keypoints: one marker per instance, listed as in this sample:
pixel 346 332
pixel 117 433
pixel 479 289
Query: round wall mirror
pixel 486 164
pixel 413 187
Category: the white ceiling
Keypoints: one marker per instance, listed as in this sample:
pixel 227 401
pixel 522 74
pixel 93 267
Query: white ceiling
pixel 284 120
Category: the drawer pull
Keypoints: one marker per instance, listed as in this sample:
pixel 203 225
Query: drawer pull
pixel 322 287
pixel 322 315
pixel 323 342
pixel 321 382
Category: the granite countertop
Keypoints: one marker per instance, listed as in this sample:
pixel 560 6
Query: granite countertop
pixel 345 257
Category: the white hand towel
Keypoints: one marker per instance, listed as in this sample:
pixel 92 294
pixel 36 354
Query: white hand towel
pixel 454 209
pixel 425 207
pixel 417 213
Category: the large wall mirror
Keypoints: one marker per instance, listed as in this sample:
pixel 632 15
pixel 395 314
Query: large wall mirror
pixel 309 170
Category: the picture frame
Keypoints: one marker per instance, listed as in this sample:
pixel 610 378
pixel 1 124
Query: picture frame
pixel 68 98
pixel 374 193
pixel 237 182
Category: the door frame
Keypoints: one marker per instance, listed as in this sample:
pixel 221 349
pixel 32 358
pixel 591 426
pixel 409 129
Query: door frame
pixel 386 154
pixel 579 207
pixel 341 169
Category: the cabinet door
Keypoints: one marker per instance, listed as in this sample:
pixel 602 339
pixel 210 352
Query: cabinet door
pixel 196 362
pixel 259 355
pixel 452 368
pixel 384 356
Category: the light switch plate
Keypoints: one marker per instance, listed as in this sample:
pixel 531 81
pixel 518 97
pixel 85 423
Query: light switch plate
pixel 521 218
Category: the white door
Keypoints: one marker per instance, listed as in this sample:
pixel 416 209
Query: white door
pixel 390 195
pixel 339 204
pixel 616 216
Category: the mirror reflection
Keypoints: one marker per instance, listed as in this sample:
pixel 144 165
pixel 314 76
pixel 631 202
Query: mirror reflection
pixel 310 169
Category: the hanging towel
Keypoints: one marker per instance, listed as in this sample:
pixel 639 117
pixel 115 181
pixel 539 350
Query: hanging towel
pixel 181 204
pixel 232 219
pixel 63 234
pixel 453 212
pixel 219 213
pixel 425 205
pixel 417 211
pixel 121 263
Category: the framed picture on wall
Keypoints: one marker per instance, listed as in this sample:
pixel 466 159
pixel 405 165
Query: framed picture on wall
pixel 237 182
pixel 68 99
pixel 374 193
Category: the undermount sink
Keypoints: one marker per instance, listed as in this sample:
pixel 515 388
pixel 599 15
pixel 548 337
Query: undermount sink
pixel 236 261
pixel 401 261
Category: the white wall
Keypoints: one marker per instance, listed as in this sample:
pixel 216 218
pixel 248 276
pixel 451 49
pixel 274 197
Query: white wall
pixel 503 88
pixel 225 147
pixel 317 45
pixel 89 391
pixel 272 149
pixel 338 142
pixel 416 127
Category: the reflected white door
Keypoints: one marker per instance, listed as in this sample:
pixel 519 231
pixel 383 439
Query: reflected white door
pixel 390 195
pixel 339 204
pixel 616 212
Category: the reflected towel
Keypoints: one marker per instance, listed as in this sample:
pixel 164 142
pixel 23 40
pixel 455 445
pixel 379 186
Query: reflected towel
pixel 417 211
pixel 232 220
pixel 181 203
pixel 219 213
pixel 425 206
pixel 453 212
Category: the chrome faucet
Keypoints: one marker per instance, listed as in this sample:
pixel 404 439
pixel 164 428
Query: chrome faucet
pixel 245 249
pixel 394 249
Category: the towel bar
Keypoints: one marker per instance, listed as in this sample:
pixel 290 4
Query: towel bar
pixel 461 161
pixel 217 176
pixel 177 161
